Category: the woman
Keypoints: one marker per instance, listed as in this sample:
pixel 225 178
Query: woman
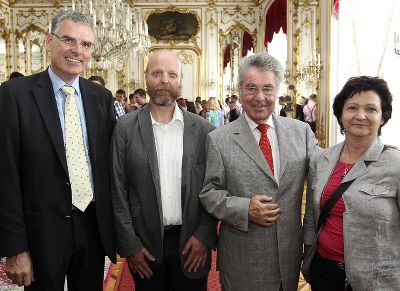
pixel 360 240
pixel 215 115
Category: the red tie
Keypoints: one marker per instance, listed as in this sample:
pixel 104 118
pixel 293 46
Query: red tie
pixel 266 146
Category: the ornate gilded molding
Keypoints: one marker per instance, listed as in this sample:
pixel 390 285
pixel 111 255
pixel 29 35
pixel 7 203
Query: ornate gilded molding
pixel 238 14
pixel 33 17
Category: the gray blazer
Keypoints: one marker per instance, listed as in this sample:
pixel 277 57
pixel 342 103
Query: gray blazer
pixel 136 193
pixel 252 257
pixel 371 221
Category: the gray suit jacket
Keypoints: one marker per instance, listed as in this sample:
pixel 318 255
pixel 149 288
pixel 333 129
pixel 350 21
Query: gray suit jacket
pixel 252 257
pixel 136 186
pixel 371 221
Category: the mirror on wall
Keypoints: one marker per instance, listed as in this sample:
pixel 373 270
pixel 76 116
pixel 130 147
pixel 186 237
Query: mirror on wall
pixel 36 58
pixel 3 61
pixel 236 43
pixel 21 57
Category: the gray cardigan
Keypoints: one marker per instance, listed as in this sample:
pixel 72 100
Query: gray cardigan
pixel 371 221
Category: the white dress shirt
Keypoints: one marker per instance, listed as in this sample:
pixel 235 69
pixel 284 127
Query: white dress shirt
pixel 273 140
pixel 169 145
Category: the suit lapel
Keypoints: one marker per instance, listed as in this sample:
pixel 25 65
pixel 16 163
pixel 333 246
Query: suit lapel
pixel 146 130
pixel 46 102
pixel 190 133
pixel 243 136
pixel 284 142
pixel 92 114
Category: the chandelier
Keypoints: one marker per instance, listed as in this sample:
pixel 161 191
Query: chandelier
pixel 116 36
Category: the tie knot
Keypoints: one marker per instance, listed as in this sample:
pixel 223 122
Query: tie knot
pixel 68 91
pixel 263 128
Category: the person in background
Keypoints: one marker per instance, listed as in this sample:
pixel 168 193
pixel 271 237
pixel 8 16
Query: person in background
pixel 303 101
pixel 359 243
pixel 139 97
pixel 254 185
pixel 234 112
pixel 132 106
pixel 310 112
pixel 97 79
pixel 204 105
pixel 235 100
pixel 161 228
pixel 191 107
pixel 55 214
pixel 119 103
pixel 182 103
pixel 198 106
pixel 15 74
pixel 215 115
pixel 295 108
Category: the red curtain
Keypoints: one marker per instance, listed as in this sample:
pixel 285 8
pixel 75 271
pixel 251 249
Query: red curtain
pixel 275 20
pixel 336 7
pixel 247 43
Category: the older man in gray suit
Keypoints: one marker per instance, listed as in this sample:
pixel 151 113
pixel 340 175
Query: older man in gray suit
pixel 254 184
pixel 158 169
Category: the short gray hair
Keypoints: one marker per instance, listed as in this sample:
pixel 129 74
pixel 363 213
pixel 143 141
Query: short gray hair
pixel 263 62
pixel 72 15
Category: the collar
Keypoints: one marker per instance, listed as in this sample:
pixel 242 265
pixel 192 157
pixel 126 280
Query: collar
pixel 253 125
pixel 58 83
pixel 178 115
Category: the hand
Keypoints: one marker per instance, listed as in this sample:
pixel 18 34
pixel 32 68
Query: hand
pixel 19 269
pixel 197 256
pixel 138 264
pixel 262 211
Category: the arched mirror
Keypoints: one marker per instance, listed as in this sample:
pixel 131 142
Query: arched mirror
pixel 31 48
pixel 3 52
pixel 236 43
pixel 21 57
pixel 3 61
pixel 36 58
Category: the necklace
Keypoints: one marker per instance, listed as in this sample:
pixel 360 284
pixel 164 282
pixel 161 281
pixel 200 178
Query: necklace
pixel 347 168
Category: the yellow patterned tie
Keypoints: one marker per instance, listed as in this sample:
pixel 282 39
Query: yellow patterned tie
pixel 82 192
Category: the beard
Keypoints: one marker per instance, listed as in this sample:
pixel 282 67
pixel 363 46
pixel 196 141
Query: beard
pixel 164 96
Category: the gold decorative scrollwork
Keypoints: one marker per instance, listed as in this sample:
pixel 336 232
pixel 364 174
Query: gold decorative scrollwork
pixel 238 14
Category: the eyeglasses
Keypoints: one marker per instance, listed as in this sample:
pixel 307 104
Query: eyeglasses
pixel 72 43
pixel 266 91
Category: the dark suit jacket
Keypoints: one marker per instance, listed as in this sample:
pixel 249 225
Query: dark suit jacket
pixel 35 194
pixel 136 186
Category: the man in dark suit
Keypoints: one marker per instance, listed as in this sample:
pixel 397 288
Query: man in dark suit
pixel 158 165
pixel 51 227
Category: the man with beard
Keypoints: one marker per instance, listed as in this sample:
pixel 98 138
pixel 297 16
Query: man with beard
pixel 158 165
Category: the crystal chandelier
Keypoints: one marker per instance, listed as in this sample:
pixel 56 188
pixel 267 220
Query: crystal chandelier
pixel 116 35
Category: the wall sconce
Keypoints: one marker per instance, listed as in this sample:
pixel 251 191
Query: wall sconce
pixel 134 83
pixel 396 43
pixel 210 82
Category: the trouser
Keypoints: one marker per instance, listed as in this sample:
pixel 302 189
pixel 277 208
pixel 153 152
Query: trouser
pixel 83 262
pixel 328 275
pixel 169 276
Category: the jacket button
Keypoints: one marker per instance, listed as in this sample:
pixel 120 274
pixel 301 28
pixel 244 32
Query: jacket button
pixel 67 183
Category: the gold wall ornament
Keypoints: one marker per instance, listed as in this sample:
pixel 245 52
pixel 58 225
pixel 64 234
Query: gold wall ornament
pixel 185 57
pixel 239 15
pixel 32 18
